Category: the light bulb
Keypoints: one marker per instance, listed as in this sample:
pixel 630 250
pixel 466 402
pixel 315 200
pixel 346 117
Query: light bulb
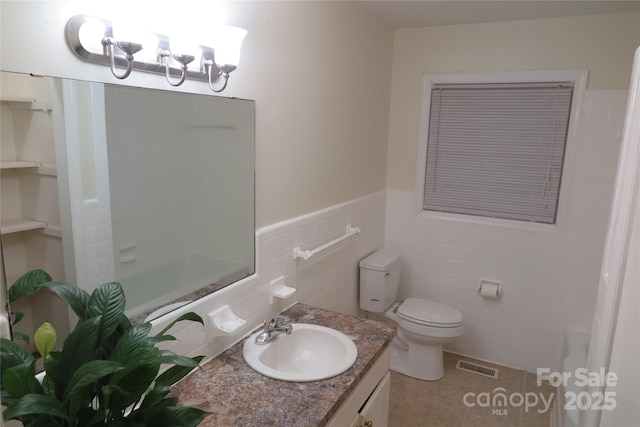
pixel 91 34
pixel 227 42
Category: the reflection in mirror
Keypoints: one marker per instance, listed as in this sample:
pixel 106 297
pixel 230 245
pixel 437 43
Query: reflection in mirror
pixel 30 214
pixel 155 189
pixel 181 183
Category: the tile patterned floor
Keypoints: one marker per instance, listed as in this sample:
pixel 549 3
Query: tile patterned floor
pixel 465 399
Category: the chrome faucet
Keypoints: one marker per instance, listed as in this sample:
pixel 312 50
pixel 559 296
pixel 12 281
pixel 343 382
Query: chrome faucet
pixel 276 326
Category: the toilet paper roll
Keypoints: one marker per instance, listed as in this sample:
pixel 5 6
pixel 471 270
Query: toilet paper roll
pixel 490 290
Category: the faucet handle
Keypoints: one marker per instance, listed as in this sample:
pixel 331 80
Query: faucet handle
pixel 275 321
pixel 278 319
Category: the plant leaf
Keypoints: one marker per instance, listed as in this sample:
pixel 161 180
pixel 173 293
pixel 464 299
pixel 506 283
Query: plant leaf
pixel 109 343
pixel 16 316
pixel 175 373
pixel 27 284
pixel 80 388
pixel 79 348
pixel 107 301
pixel 48 385
pixel 33 404
pixel 187 316
pixel 21 380
pixel 160 338
pixel 73 295
pixel 52 377
pixel 129 386
pixel 175 359
pixel 156 395
pixel 89 373
pixel 12 354
pixel 89 417
pixel 153 403
pixel 20 336
pixel 132 344
pixel 178 416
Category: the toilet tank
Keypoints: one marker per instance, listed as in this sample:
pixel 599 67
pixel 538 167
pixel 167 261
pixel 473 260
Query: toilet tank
pixel 379 280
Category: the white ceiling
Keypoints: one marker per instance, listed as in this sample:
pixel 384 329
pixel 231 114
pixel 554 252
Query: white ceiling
pixel 432 13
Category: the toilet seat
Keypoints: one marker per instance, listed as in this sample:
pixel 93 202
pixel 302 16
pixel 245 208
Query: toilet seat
pixel 429 313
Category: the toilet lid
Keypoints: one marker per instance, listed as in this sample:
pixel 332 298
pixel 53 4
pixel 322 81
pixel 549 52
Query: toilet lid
pixel 429 313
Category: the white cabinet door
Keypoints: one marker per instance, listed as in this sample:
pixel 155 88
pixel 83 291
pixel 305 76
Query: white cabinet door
pixel 357 421
pixel 375 412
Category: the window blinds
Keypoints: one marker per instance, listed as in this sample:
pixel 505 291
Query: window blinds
pixel 497 150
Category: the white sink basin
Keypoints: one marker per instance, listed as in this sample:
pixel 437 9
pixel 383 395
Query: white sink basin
pixel 309 353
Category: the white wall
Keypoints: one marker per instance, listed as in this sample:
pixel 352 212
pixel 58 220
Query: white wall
pixel 549 274
pixel 321 73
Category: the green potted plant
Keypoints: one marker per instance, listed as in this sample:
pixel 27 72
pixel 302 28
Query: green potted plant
pixel 107 372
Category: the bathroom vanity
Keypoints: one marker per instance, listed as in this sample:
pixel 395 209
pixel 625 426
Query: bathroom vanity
pixel 236 395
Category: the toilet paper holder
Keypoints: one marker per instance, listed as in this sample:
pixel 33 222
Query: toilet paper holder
pixel 490 289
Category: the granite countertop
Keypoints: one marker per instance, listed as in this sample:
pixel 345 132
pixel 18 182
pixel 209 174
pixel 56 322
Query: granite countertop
pixel 239 396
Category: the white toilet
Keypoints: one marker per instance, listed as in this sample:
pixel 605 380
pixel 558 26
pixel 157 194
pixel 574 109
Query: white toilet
pixel 422 326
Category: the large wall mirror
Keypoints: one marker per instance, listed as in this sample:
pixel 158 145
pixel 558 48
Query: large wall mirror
pixel 150 188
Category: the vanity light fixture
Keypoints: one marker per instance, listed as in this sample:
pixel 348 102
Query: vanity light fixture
pixel 229 40
pixel 92 39
pixel 166 55
pixel 127 47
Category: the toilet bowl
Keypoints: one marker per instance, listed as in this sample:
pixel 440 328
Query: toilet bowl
pixel 417 348
pixel 422 326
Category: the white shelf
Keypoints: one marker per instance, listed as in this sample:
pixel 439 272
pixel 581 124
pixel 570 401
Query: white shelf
pixel 52 231
pixel 19 100
pixel 27 104
pixel 45 169
pixel 19 164
pixel 32 167
pixel 17 225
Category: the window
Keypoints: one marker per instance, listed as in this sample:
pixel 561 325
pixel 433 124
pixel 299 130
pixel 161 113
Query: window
pixel 496 149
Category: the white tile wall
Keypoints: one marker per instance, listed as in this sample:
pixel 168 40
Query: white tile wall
pixel 328 280
pixel 549 274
